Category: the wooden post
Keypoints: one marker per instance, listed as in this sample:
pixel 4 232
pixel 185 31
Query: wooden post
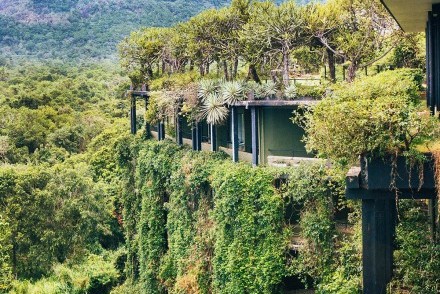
pixel 194 136
pixel 366 71
pixel 213 137
pixel 343 73
pixel 234 135
pixel 254 131
pixel 133 114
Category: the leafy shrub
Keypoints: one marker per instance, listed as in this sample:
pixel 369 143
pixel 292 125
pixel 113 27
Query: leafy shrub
pixel 314 92
pixel 374 115
pixel 417 258
pixel 96 275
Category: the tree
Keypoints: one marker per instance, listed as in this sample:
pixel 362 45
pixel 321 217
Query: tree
pixel 360 32
pixel 282 26
pixel 141 51
pixel 322 22
pixel 254 44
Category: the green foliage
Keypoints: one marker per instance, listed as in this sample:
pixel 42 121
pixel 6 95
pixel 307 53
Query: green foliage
pixel 54 214
pixel 155 170
pixel 51 112
pixel 372 116
pixel 5 252
pixel 61 205
pixel 313 92
pixel 250 241
pixel 95 275
pixel 410 52
pixel 417 257
pixel 332 259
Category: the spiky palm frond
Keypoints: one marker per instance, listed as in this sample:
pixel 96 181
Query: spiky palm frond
pixel 232 92
pixel 256 89
pixel 291 92
pixel 269 89
pixel 206 88
pixel 214 109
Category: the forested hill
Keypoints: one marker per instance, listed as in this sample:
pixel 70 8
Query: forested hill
pixel 73 29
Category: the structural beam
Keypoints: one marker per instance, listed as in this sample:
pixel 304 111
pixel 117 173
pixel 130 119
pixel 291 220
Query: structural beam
pixel 234 134
pixel 254 131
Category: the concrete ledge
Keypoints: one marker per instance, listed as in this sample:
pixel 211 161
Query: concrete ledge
pixel 282 161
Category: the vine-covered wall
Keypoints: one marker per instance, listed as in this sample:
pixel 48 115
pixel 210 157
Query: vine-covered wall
pixel 197 223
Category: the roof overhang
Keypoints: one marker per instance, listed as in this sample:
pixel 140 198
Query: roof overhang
pixel 411 15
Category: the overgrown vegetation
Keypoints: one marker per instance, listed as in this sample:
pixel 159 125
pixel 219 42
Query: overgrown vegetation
pixel 371 117
pixel 87 208
pixel 208 225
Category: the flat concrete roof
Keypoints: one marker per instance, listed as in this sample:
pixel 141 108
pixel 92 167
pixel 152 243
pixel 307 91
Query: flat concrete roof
pixel 278 103
pixel 411 15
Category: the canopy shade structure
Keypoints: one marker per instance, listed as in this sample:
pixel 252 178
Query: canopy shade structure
pixel 411 15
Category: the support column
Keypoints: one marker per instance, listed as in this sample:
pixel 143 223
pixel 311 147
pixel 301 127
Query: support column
pixel 194 136
pixel 234 135
pixel 213 137
pixel 254 131
pixel 147 125
pixel 179 132
pixel 159 131
pixel 133 114
pixel 162 130
pixel 378 230
pixel 199 130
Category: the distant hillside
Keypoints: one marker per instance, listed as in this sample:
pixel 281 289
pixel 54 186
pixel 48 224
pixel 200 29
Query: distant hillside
pixel 72 29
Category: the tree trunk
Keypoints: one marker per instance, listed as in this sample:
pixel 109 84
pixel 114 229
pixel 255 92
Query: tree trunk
pixel 331 65
pixel 234 74
pixel 253 73
pixel 286 68
pixel 351 72
pixel 163 67
pixel 202 70
pixel 207 68
pixel 191 65
pixel 225 70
